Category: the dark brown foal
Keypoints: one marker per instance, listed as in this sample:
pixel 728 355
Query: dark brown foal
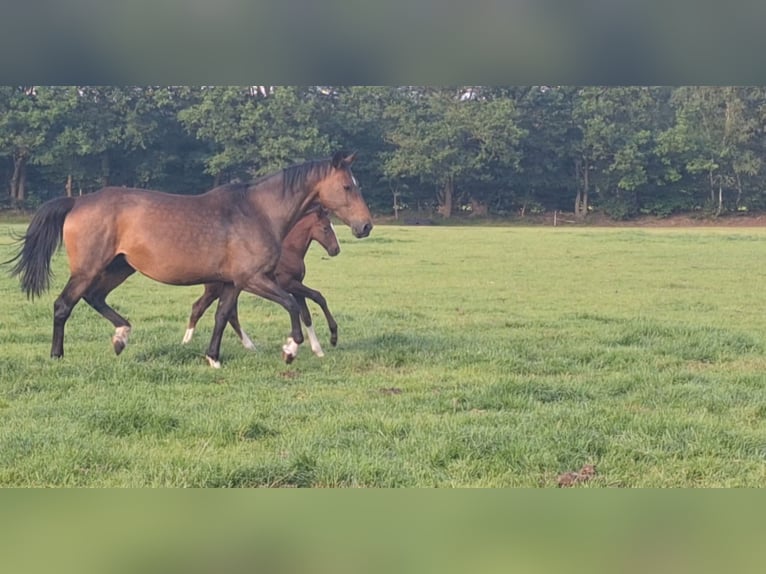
pixel 290 271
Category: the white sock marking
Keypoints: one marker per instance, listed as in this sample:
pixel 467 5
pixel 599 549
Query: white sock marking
pixel 188 336
pixel 246 342
pixel 315 346
pixel 213 363
pixel 121 334
pixel 290 348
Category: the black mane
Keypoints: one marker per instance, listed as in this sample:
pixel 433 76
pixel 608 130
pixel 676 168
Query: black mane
pixel 296 176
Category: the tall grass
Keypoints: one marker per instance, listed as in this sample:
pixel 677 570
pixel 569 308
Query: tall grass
pixel 486 357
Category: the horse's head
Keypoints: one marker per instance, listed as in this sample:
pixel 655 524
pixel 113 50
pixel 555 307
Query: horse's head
pixel 339 192
pixel 323 232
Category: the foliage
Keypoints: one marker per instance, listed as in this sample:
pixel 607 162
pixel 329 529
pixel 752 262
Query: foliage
pixel 623 150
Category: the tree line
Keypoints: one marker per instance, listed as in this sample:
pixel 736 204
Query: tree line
pixel 620 150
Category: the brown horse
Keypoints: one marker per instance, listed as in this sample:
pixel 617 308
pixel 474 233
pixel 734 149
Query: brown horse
pixel 232 234
pixel 290 271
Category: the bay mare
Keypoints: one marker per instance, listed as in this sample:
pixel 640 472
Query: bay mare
pixel 315 225
pixel 231 234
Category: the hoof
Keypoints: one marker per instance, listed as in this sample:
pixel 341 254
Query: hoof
pixel 319 353
pixel 334 339
pixel 118 344
pixel 213 363
pixel 120 339
pixel 187 336
pixel 289 350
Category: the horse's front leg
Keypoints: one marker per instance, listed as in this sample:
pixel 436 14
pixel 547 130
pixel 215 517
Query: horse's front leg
pixel 266 286
pixel 298 288
pixel 226 305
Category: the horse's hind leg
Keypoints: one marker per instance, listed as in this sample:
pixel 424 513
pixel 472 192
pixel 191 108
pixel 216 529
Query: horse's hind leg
pixel 113 276
pixel 73 291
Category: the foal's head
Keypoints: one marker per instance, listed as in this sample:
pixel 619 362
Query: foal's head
pixel 339 192
pixel 323 232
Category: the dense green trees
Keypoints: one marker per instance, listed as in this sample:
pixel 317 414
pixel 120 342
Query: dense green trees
pixel 622 150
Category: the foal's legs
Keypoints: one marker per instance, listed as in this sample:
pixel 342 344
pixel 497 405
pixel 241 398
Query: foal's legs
pixel 306 317
pixel 300 290
pixel 212 292
pixel 234 322
pixel 113 276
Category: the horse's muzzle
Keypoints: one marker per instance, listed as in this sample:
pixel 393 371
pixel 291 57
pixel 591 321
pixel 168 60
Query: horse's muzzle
pixel 363 230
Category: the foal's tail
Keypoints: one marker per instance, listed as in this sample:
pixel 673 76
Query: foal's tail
pixel 43 236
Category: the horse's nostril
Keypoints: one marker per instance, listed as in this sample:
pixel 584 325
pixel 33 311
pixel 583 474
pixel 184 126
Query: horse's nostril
pixel 366 229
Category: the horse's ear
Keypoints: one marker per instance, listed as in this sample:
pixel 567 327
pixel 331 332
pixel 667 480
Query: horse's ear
pixel 337 159
pixel 341 160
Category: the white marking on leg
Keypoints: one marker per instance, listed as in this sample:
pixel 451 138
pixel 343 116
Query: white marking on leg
pixel 121 335
pixel 246 342
pixel 315 346
pixel 188 335
pixel 290 348
pixel 213 363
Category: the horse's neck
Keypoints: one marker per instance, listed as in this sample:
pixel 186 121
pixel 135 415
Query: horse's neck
pixel 299 239
pixel 284 208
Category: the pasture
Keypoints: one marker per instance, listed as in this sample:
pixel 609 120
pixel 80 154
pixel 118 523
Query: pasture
pixel 467 357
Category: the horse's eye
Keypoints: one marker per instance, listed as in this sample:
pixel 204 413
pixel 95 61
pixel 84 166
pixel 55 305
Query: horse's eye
pixel 347 187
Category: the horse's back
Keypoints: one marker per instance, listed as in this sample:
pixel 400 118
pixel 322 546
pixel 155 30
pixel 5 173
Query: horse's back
pixel 171 238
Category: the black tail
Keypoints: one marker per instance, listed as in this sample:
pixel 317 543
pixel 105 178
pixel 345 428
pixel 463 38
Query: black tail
pixel 43 236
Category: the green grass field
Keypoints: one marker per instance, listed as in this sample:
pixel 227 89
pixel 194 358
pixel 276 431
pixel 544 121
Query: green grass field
pixel 468 356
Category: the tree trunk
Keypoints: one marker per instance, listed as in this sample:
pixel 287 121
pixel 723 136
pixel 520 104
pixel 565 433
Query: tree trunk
pixel 739 189
pixel 69 185
pixel 581 200
pixel 719 211
pixel 445 199
pixel 21 192
pixel 18 181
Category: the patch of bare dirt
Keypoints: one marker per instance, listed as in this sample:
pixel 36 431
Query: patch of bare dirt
pixel 569 479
